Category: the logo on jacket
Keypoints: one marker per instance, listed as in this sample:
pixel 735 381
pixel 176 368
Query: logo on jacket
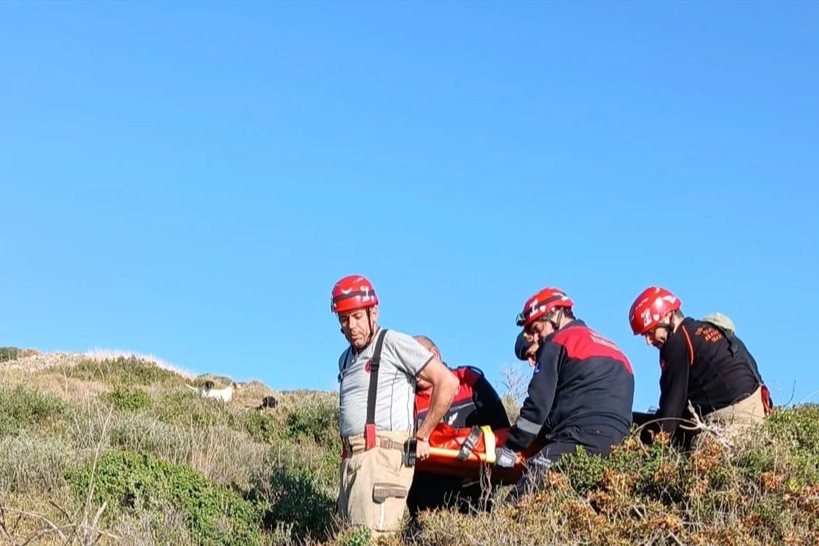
pixel 367 366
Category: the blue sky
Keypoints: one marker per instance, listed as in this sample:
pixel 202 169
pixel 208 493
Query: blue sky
pixel 189 179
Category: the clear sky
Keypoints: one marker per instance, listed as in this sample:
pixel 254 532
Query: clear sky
pixel 189 180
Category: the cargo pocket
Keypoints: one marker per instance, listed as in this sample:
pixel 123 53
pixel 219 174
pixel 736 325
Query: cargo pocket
pixel 389 501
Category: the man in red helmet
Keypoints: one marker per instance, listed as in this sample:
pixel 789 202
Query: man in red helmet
pixel 580 394
pixel 377 378
pixel 702 362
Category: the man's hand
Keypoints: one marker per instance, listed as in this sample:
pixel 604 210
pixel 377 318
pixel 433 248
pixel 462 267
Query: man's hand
pixel 531 353
pixel 421 449
pixel 505 457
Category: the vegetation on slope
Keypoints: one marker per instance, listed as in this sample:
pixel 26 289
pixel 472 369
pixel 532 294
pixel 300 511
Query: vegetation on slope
pixel 120 451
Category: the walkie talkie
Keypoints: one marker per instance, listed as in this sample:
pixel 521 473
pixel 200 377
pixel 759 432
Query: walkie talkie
pixel 409 451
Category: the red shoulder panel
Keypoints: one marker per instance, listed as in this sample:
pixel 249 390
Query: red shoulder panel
pixel 582 343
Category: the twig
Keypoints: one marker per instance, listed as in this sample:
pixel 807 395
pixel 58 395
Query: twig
pixel 702 426
pixel 674 537
pixel 51 526
pixel 35 515
pixel 3 528
pixel 60 508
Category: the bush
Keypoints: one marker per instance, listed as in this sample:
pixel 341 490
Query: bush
pixel 136 432
pixel 355 536
pixel 132 483
pixel 762 490
pixel 22 407
pixel 9 353
pixel 121 372
pixel 299 502
pixel 31 464
pixel 188 409
pixel 128 399
pixel 316 420
pixel 262 427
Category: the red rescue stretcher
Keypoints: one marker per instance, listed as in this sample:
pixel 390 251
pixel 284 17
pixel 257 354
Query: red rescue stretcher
pixel 462 452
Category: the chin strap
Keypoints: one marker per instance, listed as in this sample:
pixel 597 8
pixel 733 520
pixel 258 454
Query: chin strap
pixel 556 318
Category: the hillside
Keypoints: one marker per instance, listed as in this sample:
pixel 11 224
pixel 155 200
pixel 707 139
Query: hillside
pixel 105 449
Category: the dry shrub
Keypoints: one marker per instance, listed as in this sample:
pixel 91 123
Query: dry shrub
pixel 763 491
pixel 32 464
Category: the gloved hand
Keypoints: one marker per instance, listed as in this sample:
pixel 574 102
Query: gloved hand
pixel 505 457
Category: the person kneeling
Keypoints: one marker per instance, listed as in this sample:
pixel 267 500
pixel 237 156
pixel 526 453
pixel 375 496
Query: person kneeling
pixel 580 394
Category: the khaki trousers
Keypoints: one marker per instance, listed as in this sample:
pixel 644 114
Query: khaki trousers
pixel 733 419
pixel 373 484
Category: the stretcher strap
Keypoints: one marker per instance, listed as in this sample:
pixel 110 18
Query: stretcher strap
pixel 469 444
pixel 489 442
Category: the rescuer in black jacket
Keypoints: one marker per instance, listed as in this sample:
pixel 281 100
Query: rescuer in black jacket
pixel 581 391
pixel 702 362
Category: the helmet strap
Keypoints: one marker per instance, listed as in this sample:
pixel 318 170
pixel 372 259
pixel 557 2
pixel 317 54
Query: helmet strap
pixel 555 318
pixel 371 324
pixel 667 326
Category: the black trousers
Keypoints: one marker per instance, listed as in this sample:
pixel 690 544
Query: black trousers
pixel 433 491
pixel 593 440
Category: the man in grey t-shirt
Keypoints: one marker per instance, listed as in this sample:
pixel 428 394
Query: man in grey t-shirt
pixel 377 400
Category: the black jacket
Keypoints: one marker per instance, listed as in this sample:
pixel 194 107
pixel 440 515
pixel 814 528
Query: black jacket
pixel 581 380
pixel 702 364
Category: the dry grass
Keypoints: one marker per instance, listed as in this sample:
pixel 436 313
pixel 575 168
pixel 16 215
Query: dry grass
pixel 101 355
pixel 276 472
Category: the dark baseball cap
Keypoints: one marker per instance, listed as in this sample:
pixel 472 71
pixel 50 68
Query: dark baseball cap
pixel 522 344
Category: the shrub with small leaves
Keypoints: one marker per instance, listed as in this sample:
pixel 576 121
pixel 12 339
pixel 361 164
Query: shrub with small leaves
pixel 261 426
pixel 188 409
pixel 121 371
pixel 299 501
pixel 22 407
pixel 130 482
pixel 9 353
pixel 317 420
pixel 129 399
pixel 355 536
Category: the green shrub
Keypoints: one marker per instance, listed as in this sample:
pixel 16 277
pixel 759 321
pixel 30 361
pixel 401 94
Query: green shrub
pixel 121 371
pixel 300 502
pixel 22 407
pixel 316 420
pixel 128 399
pixel 262 427
pixel 9 353
pixel 788 444
pixel 798 429
pixel 131 483
pixel 188 409
pixel 140 433
pixel 355 536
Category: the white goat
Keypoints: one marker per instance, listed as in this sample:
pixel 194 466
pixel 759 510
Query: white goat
pixel 225 394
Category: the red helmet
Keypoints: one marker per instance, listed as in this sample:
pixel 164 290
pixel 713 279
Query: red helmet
pixel 352 292
pixel 541 303
pixel 651 305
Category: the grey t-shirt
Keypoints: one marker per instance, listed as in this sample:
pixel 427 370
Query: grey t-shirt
pixel 402 357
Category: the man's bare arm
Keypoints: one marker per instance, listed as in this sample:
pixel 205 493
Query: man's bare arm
pixel 444 387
